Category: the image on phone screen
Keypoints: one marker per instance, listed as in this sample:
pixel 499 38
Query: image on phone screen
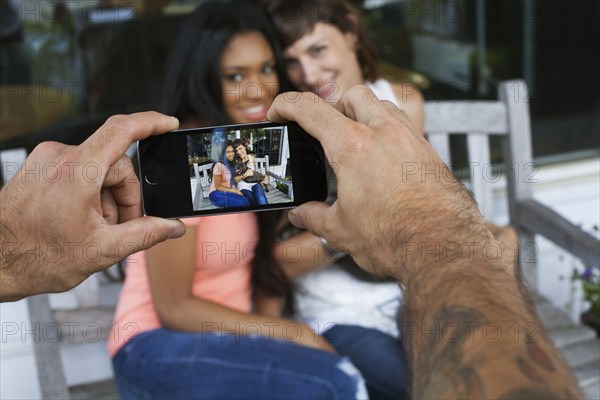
pixel 234 168
pixel 253 162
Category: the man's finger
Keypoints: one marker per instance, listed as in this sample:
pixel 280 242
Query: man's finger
pixel 311 216
pixel 360 104
pixel 142 233
pixel 111 140
pixel 110 208
pixel 399 114
pixel 318 118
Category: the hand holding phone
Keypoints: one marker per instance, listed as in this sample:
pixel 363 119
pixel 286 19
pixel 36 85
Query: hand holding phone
pixel 198 172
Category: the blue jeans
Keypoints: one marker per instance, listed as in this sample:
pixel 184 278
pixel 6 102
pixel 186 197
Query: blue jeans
pixel 214 365
pixel 227 199
pixel 378 356
pixel 257 196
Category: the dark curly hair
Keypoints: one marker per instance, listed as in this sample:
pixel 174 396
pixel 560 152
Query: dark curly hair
pixel 193 89
pixel 193 81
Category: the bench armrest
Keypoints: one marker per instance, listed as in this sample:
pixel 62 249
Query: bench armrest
pixel 279 179
pixel 536 218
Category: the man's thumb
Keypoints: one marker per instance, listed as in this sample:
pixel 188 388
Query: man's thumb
pixel 310 216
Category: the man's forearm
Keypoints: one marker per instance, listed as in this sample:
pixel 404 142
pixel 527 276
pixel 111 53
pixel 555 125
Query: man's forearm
pixel 471 333
pixel 10 255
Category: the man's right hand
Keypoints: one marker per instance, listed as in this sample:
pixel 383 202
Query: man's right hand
pixel 396 196
pixel 394 192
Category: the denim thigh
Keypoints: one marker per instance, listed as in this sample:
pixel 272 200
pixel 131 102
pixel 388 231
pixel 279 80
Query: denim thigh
pixel 181 365
pixel 259 194
pixel 378 356
pixel 227 199
pixel 250 196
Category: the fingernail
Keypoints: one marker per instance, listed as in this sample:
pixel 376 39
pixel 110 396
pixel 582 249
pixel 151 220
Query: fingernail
pixel 294 218
pixel 178 230
pixel 292 213
pixel 175 122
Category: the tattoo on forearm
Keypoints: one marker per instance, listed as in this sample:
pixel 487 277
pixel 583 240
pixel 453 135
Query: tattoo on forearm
pixel 442 371
pixel 539 356
pixel 529 370
pixel 444 367
pixel 537 359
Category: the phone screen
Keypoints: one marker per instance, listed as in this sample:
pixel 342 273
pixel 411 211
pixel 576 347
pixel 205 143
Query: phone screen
pixel 232 168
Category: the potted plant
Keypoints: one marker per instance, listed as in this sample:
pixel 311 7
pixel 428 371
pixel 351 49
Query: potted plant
pixel 590 285
pixel 282 187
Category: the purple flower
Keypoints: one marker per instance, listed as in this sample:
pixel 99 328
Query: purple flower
pixel 587 274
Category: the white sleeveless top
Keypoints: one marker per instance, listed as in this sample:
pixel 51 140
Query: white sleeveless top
pixel 383 90
pixel 241 185
pixel 330 295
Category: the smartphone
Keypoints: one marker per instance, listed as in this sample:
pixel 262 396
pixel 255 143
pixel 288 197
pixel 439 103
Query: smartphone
pixel 183 173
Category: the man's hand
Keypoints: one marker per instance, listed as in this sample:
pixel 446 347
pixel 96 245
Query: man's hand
pixel 400 212
pixel 394 192
pixel 74 210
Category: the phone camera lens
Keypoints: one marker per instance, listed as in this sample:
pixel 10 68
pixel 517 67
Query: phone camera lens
pixel 151 178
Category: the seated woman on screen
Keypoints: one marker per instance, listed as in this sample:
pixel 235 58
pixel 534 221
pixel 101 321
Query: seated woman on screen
pixel 223 190
pixel 247 182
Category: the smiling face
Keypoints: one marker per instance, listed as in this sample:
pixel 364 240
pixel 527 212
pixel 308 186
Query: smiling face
pixel 250 82
pixel 229 153
pixel 324 61
pixel 241 151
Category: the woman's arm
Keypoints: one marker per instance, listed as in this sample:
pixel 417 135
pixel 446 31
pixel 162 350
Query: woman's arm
pixel 268 306
pixel 300 254
pixel 171 271
pixel 411 101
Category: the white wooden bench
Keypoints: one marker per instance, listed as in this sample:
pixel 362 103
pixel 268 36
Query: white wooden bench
pixel 509 118
pixel 262 166
pixel 202 182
